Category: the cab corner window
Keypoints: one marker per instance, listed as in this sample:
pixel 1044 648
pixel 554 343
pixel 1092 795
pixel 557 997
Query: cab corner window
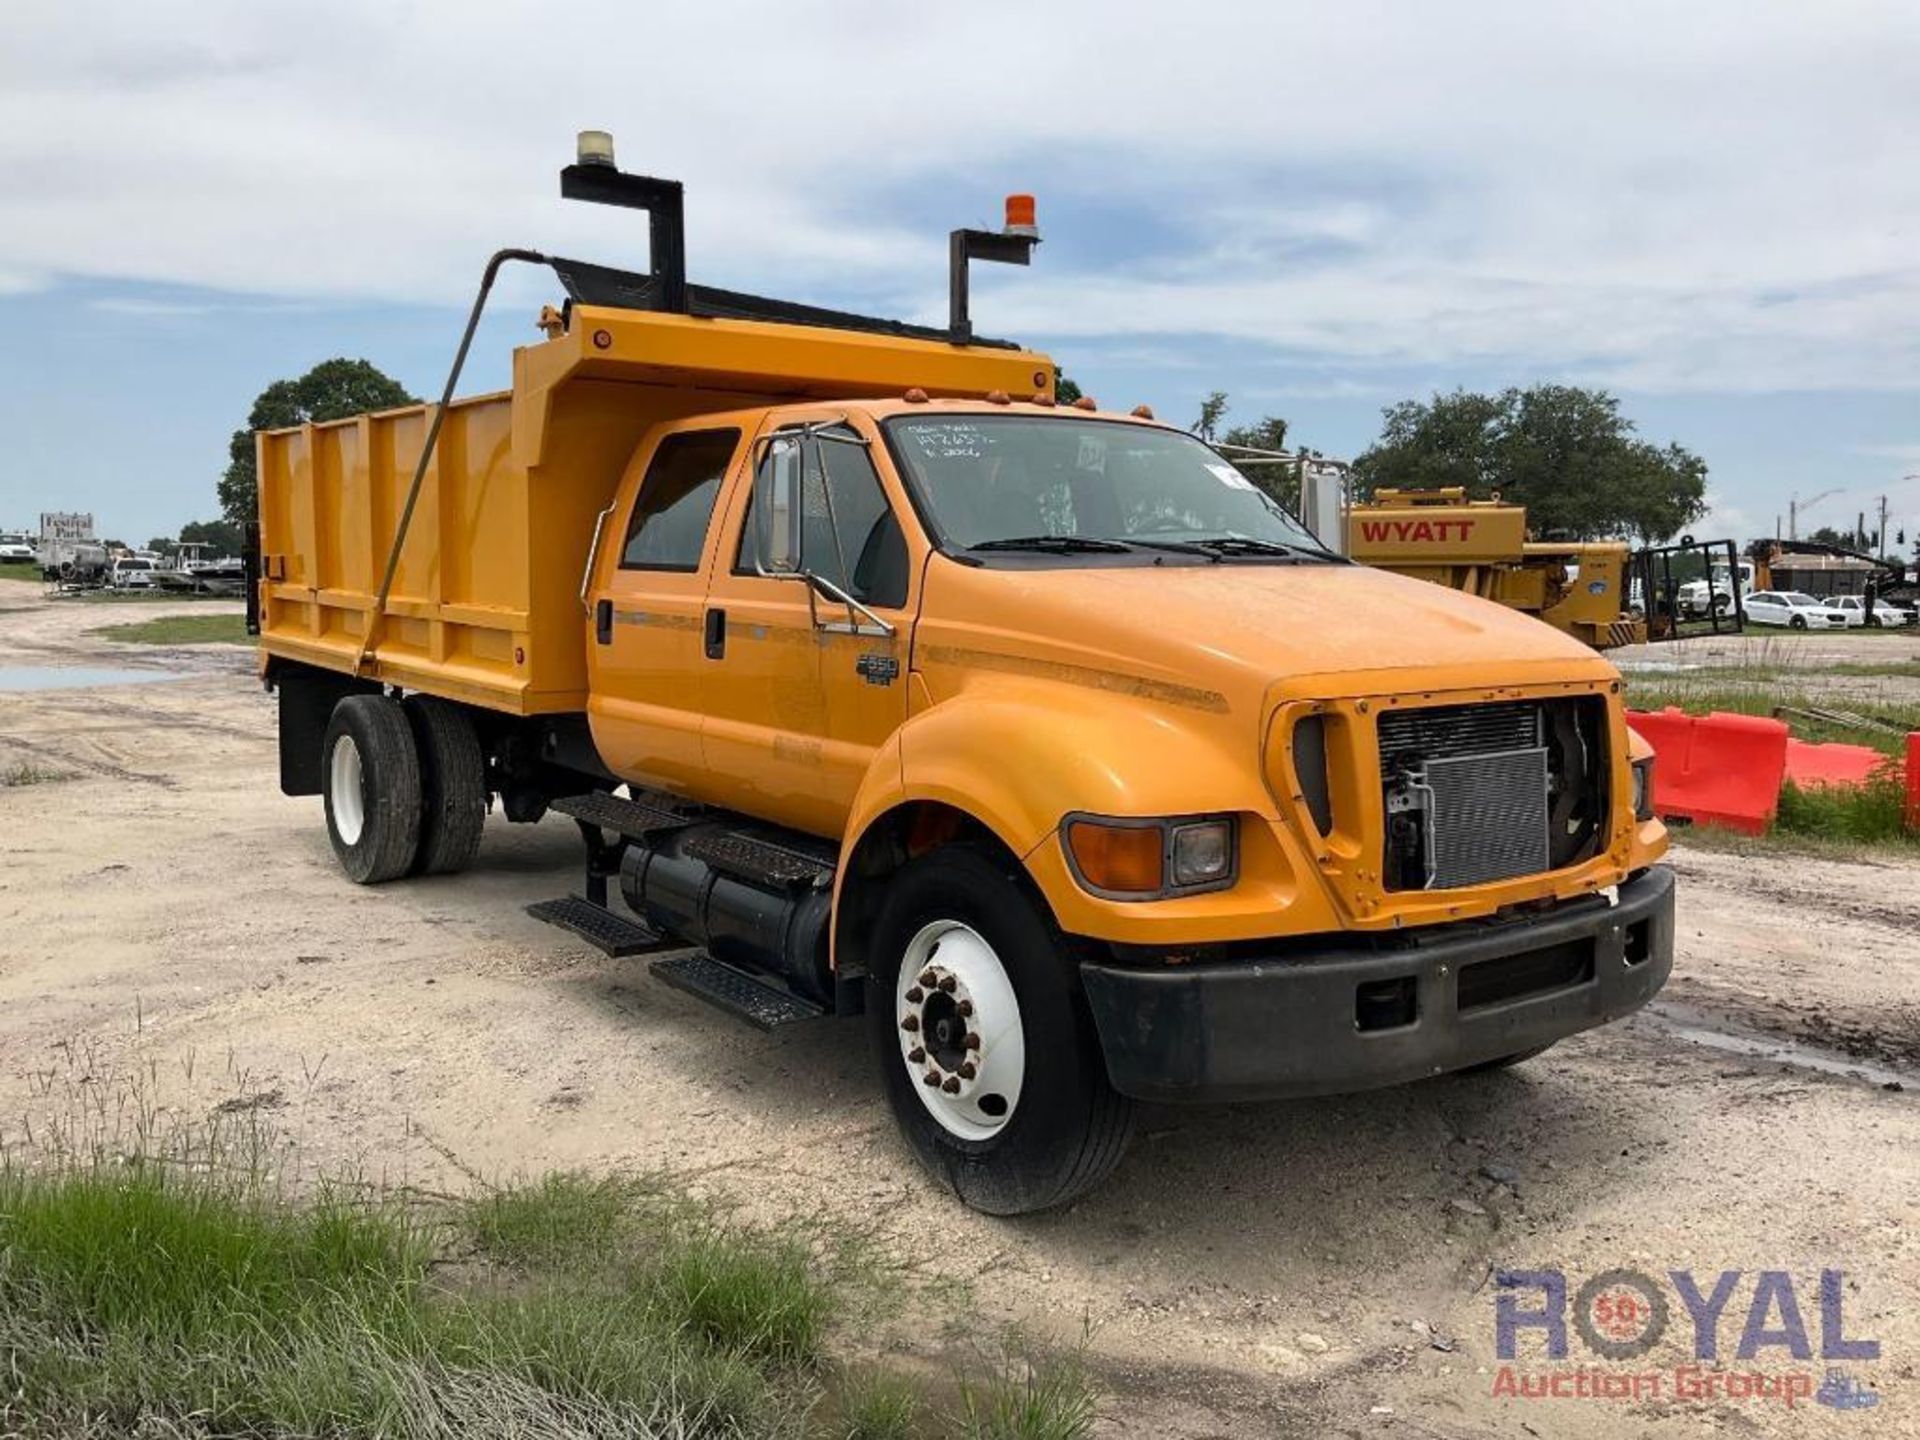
pixel 675 505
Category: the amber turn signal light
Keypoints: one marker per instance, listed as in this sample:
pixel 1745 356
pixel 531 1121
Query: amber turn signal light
pixel 1124 858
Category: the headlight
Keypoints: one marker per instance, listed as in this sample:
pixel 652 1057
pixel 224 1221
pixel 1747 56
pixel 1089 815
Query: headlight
pixel 1129 859
pixel 1643 789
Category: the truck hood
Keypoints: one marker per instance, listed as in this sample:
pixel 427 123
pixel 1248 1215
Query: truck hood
pixel 1238 628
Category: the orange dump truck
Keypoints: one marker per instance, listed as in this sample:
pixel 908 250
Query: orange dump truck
pixel 879 683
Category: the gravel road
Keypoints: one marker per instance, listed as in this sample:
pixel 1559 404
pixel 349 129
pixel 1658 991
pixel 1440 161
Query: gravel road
pixel 1315 1268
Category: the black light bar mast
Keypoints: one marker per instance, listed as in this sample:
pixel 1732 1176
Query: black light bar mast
pixel 1012 246
pixel 596 179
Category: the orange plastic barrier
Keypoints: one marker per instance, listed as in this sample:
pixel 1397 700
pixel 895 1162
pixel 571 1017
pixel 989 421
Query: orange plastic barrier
pixel 1835 764
pixel 1913 780
pixel 1716 769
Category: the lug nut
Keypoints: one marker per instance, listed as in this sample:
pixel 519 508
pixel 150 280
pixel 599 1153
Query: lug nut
pixel 947 982
pixel 916 1055
pixel 932 1077
pixel 972 1042
pixel 966 1070
pixel 952 1087
pixel 965 1007
pixel 912 1022
pixel 916 995
pixel 928 978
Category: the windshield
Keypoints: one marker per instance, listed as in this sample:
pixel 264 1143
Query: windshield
pixel 988 479
pixel 1798 597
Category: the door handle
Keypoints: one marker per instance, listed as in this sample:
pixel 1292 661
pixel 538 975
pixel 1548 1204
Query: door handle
pixel 716 633
pixel 603 622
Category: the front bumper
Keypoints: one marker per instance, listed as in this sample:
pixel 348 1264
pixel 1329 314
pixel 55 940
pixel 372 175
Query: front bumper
pixel 1353 1015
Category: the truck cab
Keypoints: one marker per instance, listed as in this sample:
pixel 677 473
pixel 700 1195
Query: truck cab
pixel 1037 735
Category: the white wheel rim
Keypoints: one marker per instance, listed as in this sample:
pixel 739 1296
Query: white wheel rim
pixel 959 1027
pixel 345 790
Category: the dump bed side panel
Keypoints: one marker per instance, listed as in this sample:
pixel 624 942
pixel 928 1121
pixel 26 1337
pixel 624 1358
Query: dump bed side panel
pixel 458 618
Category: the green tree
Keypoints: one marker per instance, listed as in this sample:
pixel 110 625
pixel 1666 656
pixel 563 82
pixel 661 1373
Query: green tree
pixel 1064 389
pixel 1565 452
pixel 223 537
pixel 1212 409
pixel 332 390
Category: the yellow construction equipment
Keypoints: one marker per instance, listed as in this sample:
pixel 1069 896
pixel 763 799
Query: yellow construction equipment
pixel 1481 547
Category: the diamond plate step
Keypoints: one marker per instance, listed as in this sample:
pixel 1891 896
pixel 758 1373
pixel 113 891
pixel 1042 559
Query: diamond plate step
pixel 741 995
pixel 624 817
pixel 614 934
pixel 761 862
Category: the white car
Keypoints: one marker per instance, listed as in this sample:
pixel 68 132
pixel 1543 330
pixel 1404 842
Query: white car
pixel 131 573
pixel 12 552
pixel 1794 609
pixel 1885 612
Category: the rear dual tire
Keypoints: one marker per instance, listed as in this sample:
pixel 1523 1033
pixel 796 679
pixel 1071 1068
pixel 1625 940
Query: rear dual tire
pixel 405 787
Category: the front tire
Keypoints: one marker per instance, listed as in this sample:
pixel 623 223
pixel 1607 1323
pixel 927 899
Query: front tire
pixel 1798 622
pixel 372 773
pixel 987 1052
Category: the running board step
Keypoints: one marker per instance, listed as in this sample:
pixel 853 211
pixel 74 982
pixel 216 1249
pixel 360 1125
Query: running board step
pixel 743 996
pixel 613 934
pixel 624 817
pixel 761 862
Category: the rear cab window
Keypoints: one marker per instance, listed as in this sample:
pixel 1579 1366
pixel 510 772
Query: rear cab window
pixel 672 513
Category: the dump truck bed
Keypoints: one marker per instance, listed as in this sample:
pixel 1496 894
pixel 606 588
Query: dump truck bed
pixel 485 602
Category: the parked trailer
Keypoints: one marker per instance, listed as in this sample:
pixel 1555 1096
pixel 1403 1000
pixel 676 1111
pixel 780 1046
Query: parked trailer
pixel 1034 733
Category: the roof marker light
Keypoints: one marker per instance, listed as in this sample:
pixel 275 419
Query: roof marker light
pixel 915 396
pixel 1142 412
pixel 1086 402
pixel 999 397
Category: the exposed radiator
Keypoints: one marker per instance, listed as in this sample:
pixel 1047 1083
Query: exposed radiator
pixel 1488 817
pixel 1466 791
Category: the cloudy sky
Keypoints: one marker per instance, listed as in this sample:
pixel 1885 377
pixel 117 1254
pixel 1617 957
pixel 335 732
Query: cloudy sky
pixel 1712 208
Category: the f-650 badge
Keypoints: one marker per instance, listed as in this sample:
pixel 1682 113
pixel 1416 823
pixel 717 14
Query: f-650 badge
pixel 878 667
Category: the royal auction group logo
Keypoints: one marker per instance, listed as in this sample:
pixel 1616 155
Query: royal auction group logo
pixel 1620 1317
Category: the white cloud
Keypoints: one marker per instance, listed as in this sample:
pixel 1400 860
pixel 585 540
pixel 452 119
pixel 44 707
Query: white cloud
pixel 1711 196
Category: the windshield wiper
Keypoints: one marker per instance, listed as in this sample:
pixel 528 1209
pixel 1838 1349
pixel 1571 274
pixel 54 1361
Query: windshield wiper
pixel 1248 545
pixel 1057 544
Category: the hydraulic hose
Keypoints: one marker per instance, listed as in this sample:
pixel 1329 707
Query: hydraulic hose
pixel 376 621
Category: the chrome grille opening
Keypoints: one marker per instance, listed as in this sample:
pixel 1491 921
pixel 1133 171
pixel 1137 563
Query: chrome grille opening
pixel 1476 793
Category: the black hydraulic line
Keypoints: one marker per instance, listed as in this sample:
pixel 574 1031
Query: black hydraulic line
pixel 378 616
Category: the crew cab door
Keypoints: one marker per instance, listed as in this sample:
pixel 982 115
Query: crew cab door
pixel 807 688
pixel 647 606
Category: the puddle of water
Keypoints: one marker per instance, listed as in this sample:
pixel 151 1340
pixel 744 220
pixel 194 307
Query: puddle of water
pixel 1717 1033
pixel 76 677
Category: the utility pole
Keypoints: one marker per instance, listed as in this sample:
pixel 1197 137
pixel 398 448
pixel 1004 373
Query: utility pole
pixel 1795 505
pixel 1882 550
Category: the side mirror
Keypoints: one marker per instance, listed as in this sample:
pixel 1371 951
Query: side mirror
pixel 777 505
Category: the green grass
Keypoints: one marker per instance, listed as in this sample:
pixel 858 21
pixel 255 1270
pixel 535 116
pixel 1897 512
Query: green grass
pixel 27 773
pixel 189 1296
pixel 180 630
pixel 1870 814
pixel 19 570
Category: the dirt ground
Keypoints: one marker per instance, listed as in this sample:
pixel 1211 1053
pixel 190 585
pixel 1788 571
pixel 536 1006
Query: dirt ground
pixel 1315 1268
